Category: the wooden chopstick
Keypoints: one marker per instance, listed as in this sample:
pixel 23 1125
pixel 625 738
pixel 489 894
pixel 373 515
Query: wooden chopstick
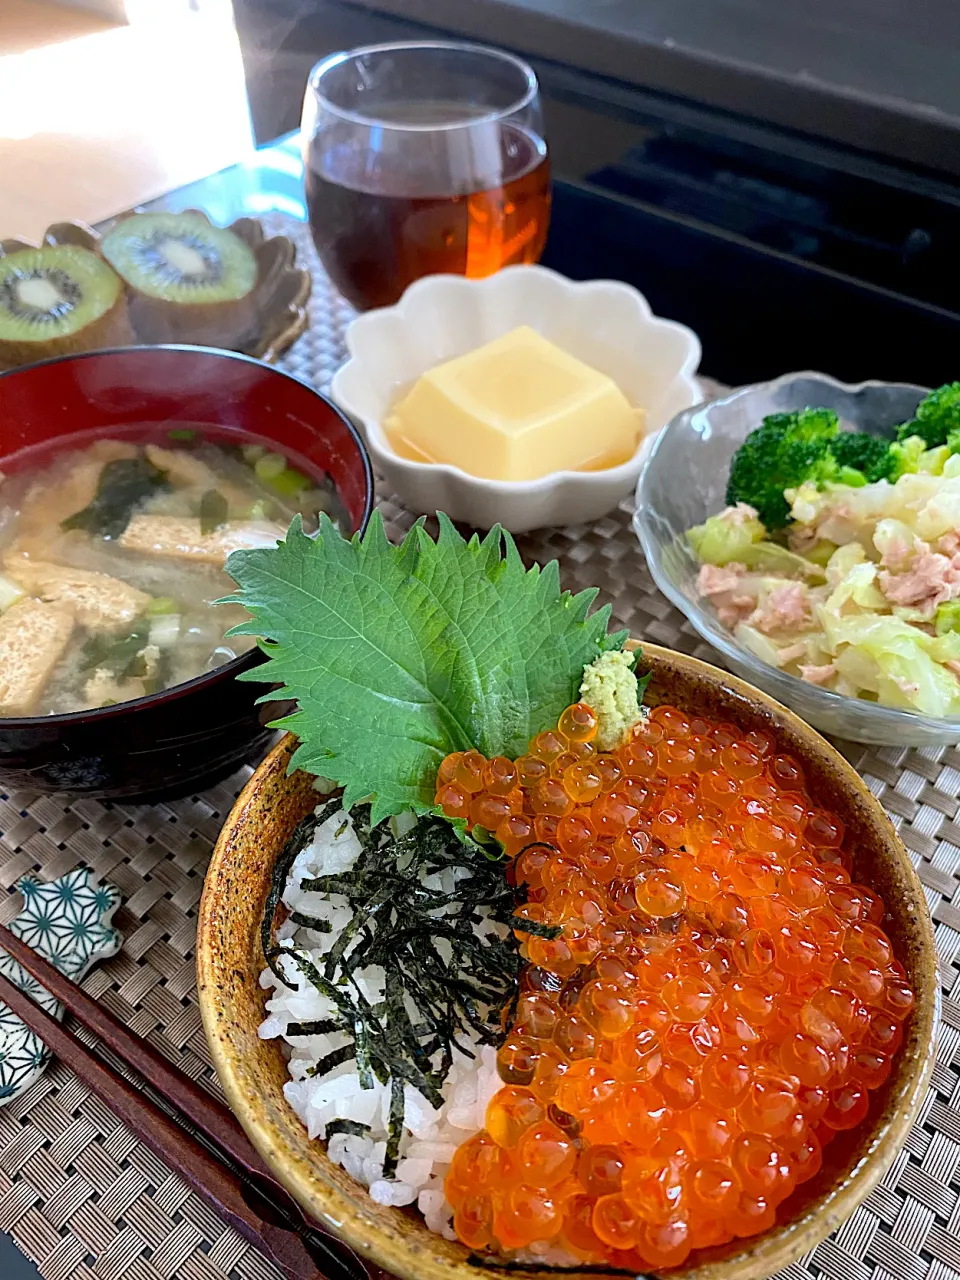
pixel 187 1097
pixel 220 1188
pixel 203 1111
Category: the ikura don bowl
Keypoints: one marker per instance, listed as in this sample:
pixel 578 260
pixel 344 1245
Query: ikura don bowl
pixel 253 1071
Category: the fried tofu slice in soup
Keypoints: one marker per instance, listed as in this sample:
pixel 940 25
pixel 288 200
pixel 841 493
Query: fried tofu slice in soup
pixel 34 636
pixel 180 537
pixel 187 471
pixel 99 601
pixel 48 503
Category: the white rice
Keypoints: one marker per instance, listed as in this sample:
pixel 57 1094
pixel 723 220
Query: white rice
pixel 430 1136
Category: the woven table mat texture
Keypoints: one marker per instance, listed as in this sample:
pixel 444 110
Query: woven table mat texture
pixel 84 1199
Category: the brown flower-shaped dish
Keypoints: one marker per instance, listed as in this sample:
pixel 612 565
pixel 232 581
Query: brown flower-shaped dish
pixel 253 1071
pixel 279 297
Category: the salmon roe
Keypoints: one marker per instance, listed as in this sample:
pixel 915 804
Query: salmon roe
pixel 717 1005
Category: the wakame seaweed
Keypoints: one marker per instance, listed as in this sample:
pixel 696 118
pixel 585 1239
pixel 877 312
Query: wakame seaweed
pixel 115 654
pixel 123 485
pixel 443 980
pixel 213 511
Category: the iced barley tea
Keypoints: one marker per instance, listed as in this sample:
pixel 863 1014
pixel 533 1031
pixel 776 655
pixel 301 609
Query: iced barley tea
pixel 381 220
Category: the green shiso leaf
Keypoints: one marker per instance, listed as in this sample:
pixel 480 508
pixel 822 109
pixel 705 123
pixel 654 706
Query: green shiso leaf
pixel 398 655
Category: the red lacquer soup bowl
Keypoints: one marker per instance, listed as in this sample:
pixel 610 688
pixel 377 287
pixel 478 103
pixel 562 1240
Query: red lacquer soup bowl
pixel 189 735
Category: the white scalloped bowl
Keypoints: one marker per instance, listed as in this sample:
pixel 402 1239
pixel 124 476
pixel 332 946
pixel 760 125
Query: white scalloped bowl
pixel 604 323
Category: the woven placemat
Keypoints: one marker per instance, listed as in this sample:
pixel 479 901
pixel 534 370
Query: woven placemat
pixel 84 1199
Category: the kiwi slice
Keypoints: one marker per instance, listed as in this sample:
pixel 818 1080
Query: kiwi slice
pixel 57 300
pixel 189 281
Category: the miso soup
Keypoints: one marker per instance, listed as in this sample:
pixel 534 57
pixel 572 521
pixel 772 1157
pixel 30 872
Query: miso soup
pixel 112 553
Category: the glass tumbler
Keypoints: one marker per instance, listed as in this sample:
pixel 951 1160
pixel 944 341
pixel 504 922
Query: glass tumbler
pixel 423 158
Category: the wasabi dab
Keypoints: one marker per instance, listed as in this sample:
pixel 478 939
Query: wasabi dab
pixel 611 688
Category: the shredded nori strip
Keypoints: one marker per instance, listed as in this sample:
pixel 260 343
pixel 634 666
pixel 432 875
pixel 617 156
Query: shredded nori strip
pixel 533 927
pixel 321 1027
pixel 361 1052
pixel 123 485
pixel 311 922
pixel 301 837
pixel 330 1061
pixel 394 1127
pixel 353 1127
pixel 444 981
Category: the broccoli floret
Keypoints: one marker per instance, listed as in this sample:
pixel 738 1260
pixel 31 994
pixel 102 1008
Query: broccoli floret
pixel 787 450
pixel 947 617
pixel 807 448
pixel 938 414
pixel 870 455
pixel 928 433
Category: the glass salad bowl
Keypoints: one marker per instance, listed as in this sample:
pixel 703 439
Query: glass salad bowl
pixel 685 480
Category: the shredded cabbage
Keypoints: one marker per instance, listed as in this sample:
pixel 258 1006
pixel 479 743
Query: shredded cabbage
pixel 866 599
pixel 727 537
pixel 948 617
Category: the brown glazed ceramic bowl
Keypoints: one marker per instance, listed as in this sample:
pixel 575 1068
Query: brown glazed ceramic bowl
pixel 279 298
pixel 253 1071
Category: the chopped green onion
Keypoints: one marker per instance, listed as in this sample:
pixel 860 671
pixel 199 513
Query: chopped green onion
pixel 289 483
pixel 252 452
pixel 165 630
pixel 270 466
pixel 181 433
pixel 260 510
pixel 10 593
pixel 161 604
